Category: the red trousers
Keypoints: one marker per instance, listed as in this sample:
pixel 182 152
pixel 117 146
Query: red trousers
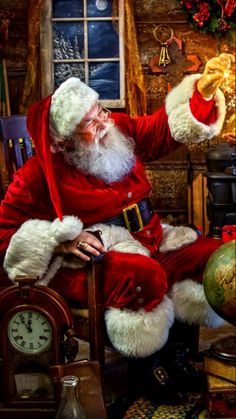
pixel 136 281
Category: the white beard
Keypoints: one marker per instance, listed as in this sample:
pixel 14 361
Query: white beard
pixel 110 161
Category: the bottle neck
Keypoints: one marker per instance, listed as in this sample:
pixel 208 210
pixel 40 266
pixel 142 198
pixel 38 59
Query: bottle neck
pixel 69 392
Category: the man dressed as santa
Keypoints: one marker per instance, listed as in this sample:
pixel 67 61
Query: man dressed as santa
pixel 87 176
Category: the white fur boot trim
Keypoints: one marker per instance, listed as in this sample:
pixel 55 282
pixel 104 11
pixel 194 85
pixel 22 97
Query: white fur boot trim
pixel 184 127
pixel 140 333
pixel 31 248
pixel 191 306
pixel 176 237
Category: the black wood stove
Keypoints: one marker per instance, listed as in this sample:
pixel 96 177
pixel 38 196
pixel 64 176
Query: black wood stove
pixel 221 184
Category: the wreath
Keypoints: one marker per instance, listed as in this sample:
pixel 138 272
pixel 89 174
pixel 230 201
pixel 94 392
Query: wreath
pixel 211 16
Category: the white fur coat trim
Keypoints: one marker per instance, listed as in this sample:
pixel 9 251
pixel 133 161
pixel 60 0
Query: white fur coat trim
pixel 119 239
pixel 138 333
pixel 191 306
pixel 176 237
pixel 31 248
pixel 183 126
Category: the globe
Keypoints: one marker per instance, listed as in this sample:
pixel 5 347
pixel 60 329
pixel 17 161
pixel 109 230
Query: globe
pixel 219 281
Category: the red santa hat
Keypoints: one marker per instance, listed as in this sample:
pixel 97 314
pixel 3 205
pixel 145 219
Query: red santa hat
pixel 69 104
pixel 63 111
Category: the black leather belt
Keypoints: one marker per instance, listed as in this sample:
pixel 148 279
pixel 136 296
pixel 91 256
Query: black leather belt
pixel 134 217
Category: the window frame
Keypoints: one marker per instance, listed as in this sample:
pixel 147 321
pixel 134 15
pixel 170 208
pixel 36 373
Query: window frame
pixel 46 50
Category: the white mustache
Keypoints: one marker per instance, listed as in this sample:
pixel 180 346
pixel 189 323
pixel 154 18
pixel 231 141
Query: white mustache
pixel 101 134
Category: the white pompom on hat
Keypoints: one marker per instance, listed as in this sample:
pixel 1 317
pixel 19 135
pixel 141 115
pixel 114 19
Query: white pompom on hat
pixel 69 104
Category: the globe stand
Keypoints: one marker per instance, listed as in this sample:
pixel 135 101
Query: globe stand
pixel 225 349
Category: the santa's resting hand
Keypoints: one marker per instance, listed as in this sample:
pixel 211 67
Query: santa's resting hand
pixel 85 241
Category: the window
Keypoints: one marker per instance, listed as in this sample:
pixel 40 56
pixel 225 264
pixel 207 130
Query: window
pixel 84 38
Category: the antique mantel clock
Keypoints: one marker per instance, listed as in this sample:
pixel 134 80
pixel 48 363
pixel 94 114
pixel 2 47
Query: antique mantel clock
pixel 34 321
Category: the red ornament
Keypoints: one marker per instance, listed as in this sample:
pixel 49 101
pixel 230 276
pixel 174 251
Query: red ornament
pixel 229 8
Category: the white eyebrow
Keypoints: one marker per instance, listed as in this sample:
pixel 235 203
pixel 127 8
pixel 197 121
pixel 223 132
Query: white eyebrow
pixel 94 117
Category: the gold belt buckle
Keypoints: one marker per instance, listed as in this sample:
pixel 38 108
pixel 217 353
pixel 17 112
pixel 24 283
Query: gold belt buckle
pixel 138 214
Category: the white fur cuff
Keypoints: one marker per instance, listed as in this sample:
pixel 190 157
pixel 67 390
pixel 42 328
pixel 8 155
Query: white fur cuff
pixel 139 333
pixel 191 306
pixel 176 237
pixel 31 248
pixel 183 126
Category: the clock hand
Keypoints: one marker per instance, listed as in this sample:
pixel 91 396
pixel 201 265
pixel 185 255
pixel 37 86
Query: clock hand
pixel 27 327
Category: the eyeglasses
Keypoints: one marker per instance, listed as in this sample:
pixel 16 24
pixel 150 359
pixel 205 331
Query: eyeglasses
pixel 103 115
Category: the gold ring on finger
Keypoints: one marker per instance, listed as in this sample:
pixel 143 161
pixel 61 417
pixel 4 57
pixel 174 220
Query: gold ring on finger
pixel 81 245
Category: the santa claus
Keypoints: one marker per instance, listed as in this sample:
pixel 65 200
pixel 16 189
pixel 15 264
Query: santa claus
pixel 87 176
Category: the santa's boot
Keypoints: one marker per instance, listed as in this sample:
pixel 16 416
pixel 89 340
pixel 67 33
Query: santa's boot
pixel 169 374
pixel 153 379
pixel 179 351
pixel 188 334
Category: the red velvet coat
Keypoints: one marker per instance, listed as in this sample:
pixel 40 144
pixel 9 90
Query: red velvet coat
pixel 91 199
pixel 85 196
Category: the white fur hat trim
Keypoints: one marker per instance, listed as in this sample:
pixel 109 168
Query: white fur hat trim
pixel 70 103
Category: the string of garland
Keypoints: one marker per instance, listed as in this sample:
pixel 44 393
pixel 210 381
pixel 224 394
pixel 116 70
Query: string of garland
pixel 216 16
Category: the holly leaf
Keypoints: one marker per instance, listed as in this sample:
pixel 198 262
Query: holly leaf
pixel 213 24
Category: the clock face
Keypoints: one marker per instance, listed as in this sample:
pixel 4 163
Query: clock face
pixel 29 332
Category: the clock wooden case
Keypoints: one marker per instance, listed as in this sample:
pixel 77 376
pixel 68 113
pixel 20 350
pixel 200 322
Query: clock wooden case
pixel 34 323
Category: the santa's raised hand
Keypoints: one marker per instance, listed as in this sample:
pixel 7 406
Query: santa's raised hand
pixel 214 74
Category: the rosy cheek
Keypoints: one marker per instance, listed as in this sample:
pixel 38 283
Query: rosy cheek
pixel 88 137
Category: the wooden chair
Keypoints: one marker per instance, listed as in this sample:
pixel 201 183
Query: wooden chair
pixel 16 147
